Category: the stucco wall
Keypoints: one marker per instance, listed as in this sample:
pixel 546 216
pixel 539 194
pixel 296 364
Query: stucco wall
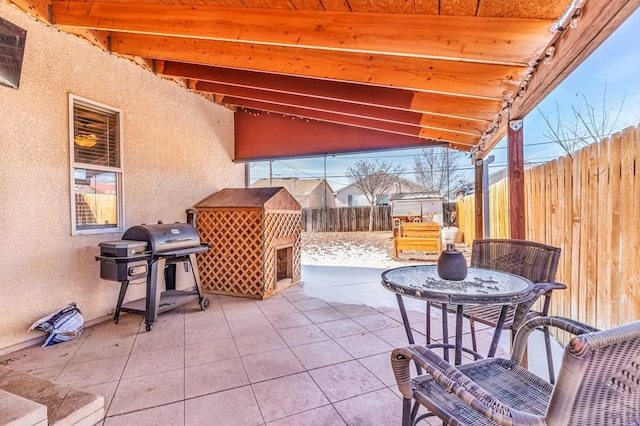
pixel 177 150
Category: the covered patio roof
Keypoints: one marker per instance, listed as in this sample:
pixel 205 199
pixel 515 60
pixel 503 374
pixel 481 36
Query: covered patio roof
pixel 313 77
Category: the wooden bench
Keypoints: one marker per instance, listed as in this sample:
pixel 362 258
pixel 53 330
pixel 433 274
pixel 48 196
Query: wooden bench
pixel 417 236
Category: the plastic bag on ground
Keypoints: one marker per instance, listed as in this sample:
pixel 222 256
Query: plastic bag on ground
pixel 64 325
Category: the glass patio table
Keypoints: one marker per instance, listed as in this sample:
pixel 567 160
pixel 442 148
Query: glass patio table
pixel 480 287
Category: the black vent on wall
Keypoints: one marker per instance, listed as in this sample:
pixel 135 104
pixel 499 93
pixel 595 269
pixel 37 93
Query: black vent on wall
pixel 12 39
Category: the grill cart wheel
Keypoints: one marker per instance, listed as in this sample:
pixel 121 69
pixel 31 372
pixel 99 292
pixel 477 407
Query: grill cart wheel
pixel 148 327
pixel 204 303
pixel 115 320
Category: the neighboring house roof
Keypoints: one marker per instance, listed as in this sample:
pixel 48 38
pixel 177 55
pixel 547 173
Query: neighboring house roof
pixel 297 187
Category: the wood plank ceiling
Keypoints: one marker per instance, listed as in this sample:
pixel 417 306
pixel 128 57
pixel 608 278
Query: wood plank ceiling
pixel 311 77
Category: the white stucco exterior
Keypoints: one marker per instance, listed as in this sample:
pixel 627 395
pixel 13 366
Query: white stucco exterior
pixel 178 148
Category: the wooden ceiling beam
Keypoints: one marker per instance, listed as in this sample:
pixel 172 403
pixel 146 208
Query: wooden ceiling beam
pixel 477 109
pixel 262 136
pixel 470 38
pixel 345 108
pixel 440 135
pixel 450 77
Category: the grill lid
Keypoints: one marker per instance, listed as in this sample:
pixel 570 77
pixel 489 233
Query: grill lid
pixel 164 238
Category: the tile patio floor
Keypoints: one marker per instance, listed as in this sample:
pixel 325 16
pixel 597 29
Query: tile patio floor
pixel 315 354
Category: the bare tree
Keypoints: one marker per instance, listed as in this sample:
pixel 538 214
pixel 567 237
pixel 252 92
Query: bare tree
pixel 437 169
pixel 587 126
pixel 373 179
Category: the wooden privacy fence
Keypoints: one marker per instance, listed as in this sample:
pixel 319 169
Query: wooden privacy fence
pixel 345 219
pixel 589 206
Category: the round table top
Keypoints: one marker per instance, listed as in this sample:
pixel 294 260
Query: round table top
pixel 481 286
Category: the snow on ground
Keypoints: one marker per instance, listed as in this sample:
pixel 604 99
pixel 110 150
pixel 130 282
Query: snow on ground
pixel 364 249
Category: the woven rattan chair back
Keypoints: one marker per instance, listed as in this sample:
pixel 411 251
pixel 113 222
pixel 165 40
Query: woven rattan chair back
pixel 599 382
pixel 535 261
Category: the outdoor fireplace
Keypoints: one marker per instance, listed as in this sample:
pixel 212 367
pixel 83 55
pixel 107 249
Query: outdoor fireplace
pixel 254 234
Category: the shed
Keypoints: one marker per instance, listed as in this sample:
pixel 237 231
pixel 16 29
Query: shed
pixel 254 234
pixel 415 207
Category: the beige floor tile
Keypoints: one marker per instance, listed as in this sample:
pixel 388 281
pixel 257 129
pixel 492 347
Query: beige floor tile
pixel 36 357
pixel 207 333
pixel 356 310
pixel 171 414
pixel 250 326
pixel 380 407
pixel 234 407
pixel 397 336
pixel 380 366
pixel 345 380
pixel 321 354
pixel 366 344
pixel 342 328
pixel 156 340
pixel 270 365
pixel 213 315
pixel 100 346
pixel 239 312
pixel 92 372
pixel 297 336
pixel 257 343
pixel 50 373
pixel 281 306
pixel 289 395
pixel 294 319
pixel 377 322
pixel 211 350
pixel 323 416
pixel 141 364
pixel 310 304
pixel 324 315
pixel 148 391
pixel 214 377
pixel 297 296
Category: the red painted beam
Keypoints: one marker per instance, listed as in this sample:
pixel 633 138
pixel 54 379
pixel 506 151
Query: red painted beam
pixel 389 97
pixel 260 136
pixel 348 120
pixel 347 108
pixel 457 140
pixel 468 127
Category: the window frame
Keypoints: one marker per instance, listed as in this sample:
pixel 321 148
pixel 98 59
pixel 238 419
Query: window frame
pixel 119 171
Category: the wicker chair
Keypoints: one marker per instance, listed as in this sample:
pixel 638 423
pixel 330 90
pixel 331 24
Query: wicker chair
pixel 534 261
pixel 598 384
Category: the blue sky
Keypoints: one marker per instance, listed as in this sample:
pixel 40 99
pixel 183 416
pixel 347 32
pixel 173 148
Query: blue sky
pixel 615 64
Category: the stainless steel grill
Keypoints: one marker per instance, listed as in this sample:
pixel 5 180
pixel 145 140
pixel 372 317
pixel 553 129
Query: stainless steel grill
pixel 152 252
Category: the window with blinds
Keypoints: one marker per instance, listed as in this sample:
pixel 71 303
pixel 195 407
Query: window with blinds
pixel 96 176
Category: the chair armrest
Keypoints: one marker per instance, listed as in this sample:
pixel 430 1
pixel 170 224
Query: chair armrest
pixel 550 286
pixel 566 324
pixel 455 382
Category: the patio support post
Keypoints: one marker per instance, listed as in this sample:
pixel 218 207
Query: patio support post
pixel 477 195
pixel 515 171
